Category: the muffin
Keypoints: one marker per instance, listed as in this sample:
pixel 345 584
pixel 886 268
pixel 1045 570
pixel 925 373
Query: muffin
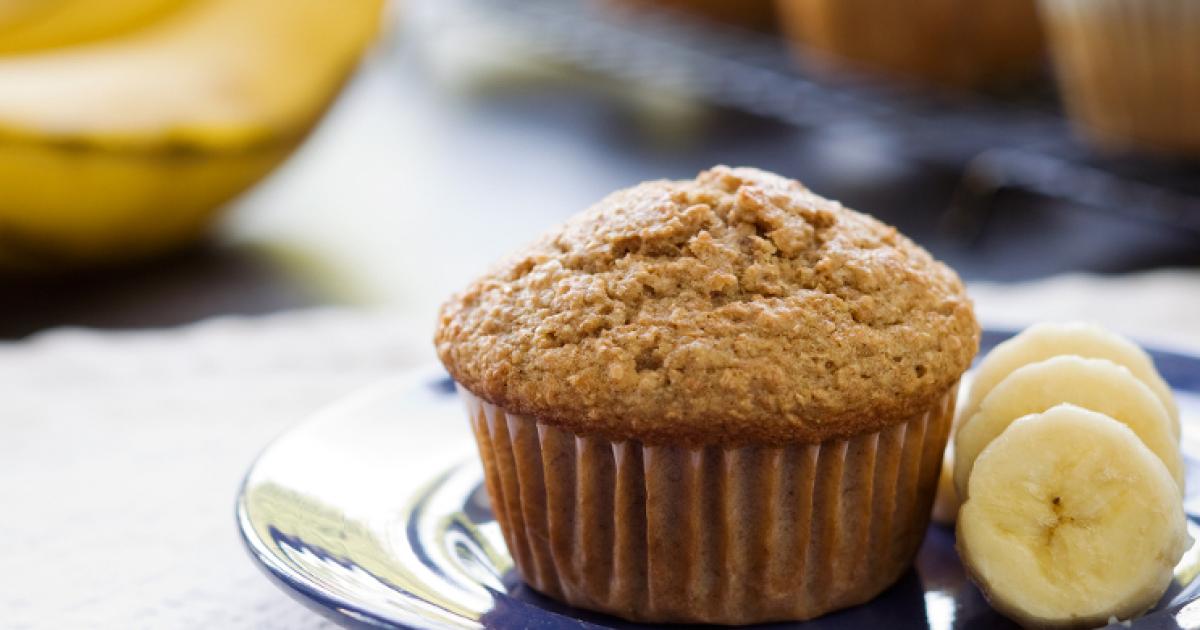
pixel 758 15
pixel 1129 71
pixel 720 400
pixel 952 43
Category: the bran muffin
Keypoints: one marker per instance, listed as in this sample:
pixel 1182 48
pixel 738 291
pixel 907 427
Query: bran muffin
pixel 1129 71
pixel 758 15
pixel 719 400
pixel 951 43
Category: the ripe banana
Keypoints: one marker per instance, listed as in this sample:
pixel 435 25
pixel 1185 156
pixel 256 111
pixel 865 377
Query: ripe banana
pixel 1096 384
pixel 1042 341
pixel 1071 521
pixel 27 25
pixel 945 502
pixel 124 147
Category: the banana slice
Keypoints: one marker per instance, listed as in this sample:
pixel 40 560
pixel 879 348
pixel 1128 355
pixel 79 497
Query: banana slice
pixel 1043 341
pixel 1096 384
pixel 1071 520
pixel 945 502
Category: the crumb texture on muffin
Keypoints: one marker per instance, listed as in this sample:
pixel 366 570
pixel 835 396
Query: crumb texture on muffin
pixel 738 307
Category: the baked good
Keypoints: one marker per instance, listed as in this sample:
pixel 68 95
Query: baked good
pixel 758 15
pixel 953 43
pixel 719 400
pixel 1129 71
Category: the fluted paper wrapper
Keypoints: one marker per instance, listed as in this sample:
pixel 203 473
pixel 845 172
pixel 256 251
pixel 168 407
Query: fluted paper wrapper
pixel 1130 71
pixel 710 534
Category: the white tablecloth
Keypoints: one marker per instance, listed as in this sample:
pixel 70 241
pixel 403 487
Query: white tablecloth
pixel 121 453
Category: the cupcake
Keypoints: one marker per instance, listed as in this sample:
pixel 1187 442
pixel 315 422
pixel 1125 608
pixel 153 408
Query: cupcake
pixel 720 400
pixel 756 15
pixel 952 43
pixel 1129 71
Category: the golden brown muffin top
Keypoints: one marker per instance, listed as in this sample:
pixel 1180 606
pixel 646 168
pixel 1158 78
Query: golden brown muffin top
pixel 736 308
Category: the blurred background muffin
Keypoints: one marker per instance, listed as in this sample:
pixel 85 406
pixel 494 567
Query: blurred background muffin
pixel 757 15
pixel 952 43
pixel 1129 71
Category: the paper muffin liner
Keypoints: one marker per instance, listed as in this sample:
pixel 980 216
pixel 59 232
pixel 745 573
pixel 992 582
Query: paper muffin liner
pixel 710 534
pixel 1128 71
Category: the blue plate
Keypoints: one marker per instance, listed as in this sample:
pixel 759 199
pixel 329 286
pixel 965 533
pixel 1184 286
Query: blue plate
pixel 373 513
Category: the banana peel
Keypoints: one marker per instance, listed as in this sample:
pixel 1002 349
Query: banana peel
pixel 76 208
pixel 124 148
pixel 27 25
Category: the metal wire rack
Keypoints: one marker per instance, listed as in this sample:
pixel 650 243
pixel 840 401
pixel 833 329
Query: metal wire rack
pixel 997 144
